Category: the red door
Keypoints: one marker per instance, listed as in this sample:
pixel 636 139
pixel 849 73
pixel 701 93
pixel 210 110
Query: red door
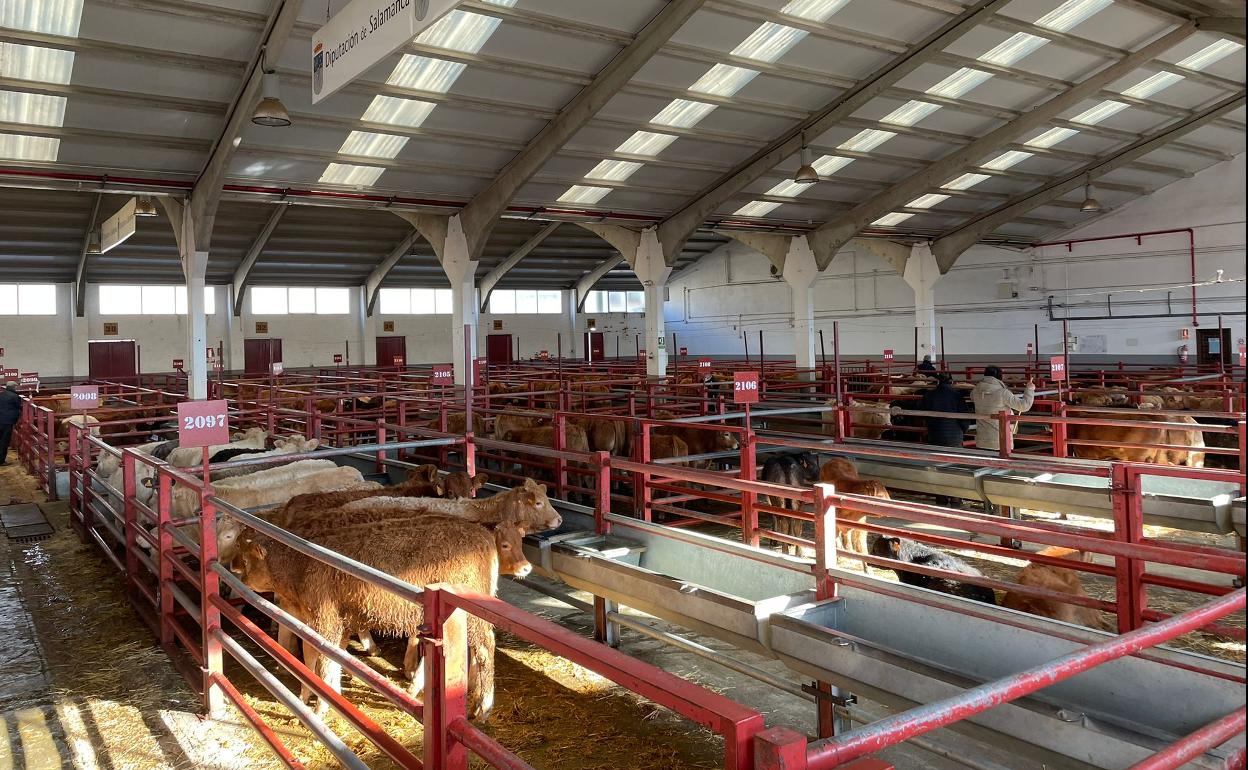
pixel 498 349
pixel 391 348
pixel 258 354
pixel 594 346
pixel 112 360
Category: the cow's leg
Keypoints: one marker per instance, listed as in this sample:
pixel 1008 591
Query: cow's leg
pixel 367 645
pixel 311 659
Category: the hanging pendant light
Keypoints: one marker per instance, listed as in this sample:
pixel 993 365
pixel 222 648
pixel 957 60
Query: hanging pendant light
pixel 1090 205
pixel 144 207
pixel 270 111
pixel 93 243
pixel 806 173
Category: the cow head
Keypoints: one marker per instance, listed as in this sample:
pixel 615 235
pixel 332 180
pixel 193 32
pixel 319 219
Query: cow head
pixel 537 507
pixel 509 541
pixel 460 485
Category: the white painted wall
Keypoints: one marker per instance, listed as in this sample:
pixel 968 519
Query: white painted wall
pixel 731 293
pixel 160 338
pixel 39 343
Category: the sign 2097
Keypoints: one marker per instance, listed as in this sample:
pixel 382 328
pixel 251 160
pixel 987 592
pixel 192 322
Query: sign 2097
pixel 203 423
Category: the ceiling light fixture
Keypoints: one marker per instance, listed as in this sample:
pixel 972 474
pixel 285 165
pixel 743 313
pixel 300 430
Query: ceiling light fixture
pixel 806 173
pixel 144 207
pixel 1090 205
pixel 93 243
pixel 270 111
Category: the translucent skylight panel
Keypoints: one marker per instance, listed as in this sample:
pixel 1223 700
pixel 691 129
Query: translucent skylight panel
pixel 827 165
pixel 21 147
pixel 1007 159
pixel 927 201
pixel 646 143
pixel 348 174
pixel 613 170
pixel 723 80
pixel 966 181
pixel 788 189
pixel 462 30
pixel 683 113
pixel 888 220
pixel 769 42
pixel 580 193
pixel 54 17
pixel 372 144
pixel 425 74
pixel 398 112
pixel 32 109
pixel 1070 14
pixel 910 113
pixel 1016 47
pixel 28 62
pixel 1051 137
pixel 867 140
pixel 1149 86
pixel 1100 112
pixel 959 83
pixel 1211 54
pixel 815 10
pixel 756 209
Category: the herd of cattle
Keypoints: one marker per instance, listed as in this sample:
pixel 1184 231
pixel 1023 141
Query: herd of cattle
pixel 875 416
pixel 427 529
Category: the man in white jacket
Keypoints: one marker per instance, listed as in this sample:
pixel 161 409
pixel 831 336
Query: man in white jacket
pixel 990 396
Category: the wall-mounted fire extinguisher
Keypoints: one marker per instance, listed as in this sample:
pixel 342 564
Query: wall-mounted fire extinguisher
pixel 1183 354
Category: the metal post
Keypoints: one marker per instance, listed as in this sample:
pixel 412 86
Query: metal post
pixel 943 366
pixel 1066 350
pixel 470 447
pixel 1222 351
pixel 214 698
pixel 749 467
pixel 745 340
pixel 445 653
pixel 825 588
pixel 1128 528
pixel 1035 348
pixel 836 358
pixel 165 560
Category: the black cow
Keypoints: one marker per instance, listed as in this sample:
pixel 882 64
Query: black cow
pixel 926 556
pixel 794 469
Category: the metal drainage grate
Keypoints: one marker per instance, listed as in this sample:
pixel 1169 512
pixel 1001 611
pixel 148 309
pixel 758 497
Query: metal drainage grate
pixel 24 523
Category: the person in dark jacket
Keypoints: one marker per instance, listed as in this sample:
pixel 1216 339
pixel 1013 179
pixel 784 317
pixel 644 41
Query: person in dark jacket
pixel 945 431
pixel 10 413
pixel 926 365
pixel 943 397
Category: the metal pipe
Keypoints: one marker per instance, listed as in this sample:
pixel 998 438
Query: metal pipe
pixel 493 752
pixel 1191 746
pixel 557 595
pixel 702 651
pixel 288 699
pixel 833 752
pixel 1191 248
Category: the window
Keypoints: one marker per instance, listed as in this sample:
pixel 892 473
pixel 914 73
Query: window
pixel 150 300
pixel 615 302
pixel 415 301
pixel 279 300
pixel 506 301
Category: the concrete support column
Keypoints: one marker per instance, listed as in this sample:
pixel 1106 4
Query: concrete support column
pixel 80 335
pixel 196 265
pixel 235 332
pixel 653 271
pixel 364 346
pixel 800 273
pixel 462 272
pixel 573 335
pixel 921 274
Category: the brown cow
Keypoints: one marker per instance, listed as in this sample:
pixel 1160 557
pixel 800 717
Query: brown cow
pixel 1056 579
pixel 867 419
pixel 424 551
pixel 835 472
pixel 699 439
pixel 605 435
pixel 574 438
pixel 506 423
pixel 1148 438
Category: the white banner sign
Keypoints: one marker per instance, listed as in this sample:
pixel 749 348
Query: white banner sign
pixel 365 32
pixel 115 230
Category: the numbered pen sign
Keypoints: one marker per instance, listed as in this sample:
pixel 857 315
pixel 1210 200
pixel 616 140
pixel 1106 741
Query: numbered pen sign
pixel 704 363
pixel 399 361
pixel 210 353
pixel 442 375
pixel 276 367
pixel 203 423
pixel 544 355
pixel 337 358
pixel 8 374
pixel 478 369
pixel 178 364
pixel 1243 354
pixel 28 381
pixel 745 387
pixel 1057 368
pixel 84 396
pixel 684 351
pixel 888 355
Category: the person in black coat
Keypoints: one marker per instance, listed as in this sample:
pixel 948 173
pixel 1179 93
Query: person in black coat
pixel 943 397
pixel 10 413
pixel 926 365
